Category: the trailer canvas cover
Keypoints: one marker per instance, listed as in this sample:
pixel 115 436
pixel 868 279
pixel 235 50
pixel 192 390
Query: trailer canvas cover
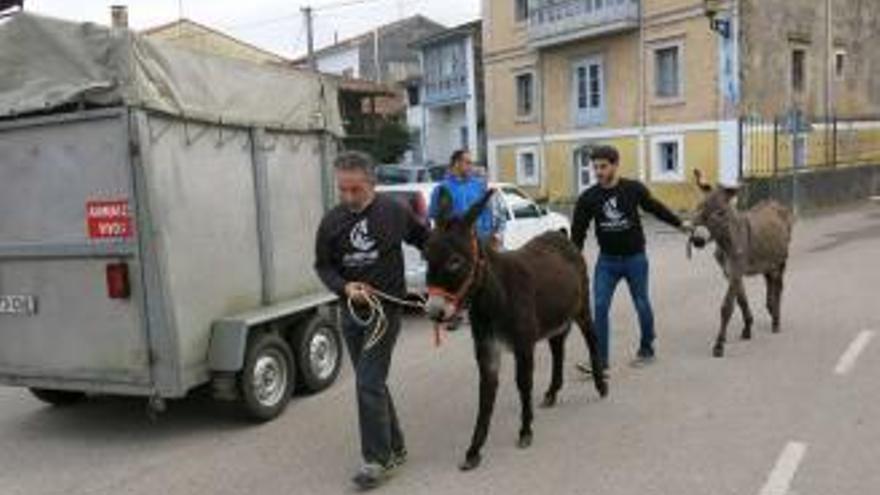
pixel 57 63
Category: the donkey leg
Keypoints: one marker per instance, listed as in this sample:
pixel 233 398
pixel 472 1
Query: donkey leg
pixel 726 312
pixel 743 302
pixel 597 364
pixel 557 351
pixel 525 370
pixel 776 308
pixel 488 360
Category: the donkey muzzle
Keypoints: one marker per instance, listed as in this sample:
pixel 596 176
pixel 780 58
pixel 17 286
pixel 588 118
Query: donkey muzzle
pixel 700 237
pixel 438 308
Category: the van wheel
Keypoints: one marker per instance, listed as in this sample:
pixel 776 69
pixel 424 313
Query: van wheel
pixel 58 397
pixel 319 354
pixel 266 381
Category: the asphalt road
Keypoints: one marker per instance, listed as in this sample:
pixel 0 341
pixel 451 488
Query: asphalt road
pixel 796 413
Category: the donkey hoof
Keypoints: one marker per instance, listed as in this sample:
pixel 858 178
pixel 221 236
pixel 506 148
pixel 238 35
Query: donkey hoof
pixel 470 462
pixel 746 335
pixel 549 401
pixel 776 329
pixel 525 440
pixel 718 351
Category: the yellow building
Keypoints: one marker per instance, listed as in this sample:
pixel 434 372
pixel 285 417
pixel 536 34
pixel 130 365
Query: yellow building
pixel 661 80
pixel 198 37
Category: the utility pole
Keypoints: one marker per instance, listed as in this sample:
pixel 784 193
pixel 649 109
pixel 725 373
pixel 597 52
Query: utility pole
pixel 310 37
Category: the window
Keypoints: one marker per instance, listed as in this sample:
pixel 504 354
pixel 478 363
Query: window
pixel 588 84
pixel 667 68
pixel 798 69
pixel 583 168
pixel 525 94
pixel 528 171
pixel 840 64
pixel 667 159
pixel 521 8
pixel 412 94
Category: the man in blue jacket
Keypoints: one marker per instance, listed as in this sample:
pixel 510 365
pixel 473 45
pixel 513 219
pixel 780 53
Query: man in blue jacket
pixel 464 188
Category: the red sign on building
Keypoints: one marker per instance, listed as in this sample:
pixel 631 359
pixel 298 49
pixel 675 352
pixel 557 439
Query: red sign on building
pixel 108 219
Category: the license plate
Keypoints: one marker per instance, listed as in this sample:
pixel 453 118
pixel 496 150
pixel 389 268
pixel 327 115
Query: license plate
pixel 18 305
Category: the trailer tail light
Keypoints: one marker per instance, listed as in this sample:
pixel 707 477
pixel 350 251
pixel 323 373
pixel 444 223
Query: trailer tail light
pixel 118 285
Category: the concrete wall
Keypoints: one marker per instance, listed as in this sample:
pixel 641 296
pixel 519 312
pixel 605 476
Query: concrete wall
pixel 443 131
pixel 772 28
pixel 815 189
pixel 397 60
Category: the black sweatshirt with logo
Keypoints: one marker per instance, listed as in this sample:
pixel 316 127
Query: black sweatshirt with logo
pixel 615 211
pixel 366 246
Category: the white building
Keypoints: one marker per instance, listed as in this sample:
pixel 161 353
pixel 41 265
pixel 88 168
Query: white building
pixel 446 104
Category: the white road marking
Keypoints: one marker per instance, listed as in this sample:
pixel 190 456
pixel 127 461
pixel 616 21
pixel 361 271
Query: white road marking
pixel 848 359
pixel 783 473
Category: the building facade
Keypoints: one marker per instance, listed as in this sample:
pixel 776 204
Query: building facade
pixel 194 36
pixel 446 110
pixel 665 81
pixel 381 55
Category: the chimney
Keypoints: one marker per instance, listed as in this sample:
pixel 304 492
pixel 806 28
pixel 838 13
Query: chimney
pixel 119 16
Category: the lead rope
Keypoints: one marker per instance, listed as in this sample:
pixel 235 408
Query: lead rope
pixel 377 319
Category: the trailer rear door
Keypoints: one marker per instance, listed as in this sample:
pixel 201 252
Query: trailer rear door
pixel 70 301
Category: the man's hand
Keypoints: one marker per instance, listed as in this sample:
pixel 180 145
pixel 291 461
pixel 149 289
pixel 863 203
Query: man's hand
pixel 687 227
pixel 357 291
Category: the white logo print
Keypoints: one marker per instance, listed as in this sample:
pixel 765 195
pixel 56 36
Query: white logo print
pixel 610 209
pixel 360 236
pixel 615 220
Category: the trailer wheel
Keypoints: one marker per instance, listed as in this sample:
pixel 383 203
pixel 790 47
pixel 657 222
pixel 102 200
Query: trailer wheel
pixel 58 397
pixel 266 381
pixel 319 354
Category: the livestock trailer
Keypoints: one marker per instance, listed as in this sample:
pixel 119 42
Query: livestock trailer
pixel 158 209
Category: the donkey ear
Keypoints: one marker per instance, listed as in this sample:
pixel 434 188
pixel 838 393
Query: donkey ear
pixel 701 182
pixel 477 208
pixel 730 192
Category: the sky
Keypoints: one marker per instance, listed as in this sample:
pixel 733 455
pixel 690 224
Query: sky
pixel 276 25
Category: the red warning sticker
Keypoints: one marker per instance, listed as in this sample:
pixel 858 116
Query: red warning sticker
pixel 108 219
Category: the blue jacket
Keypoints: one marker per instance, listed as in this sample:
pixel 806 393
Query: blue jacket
pixel 465 192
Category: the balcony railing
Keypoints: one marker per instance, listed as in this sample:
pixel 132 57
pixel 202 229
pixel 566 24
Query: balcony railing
pixel 559 21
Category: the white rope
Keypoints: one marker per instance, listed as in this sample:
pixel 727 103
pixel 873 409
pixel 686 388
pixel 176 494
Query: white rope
pixel 376 317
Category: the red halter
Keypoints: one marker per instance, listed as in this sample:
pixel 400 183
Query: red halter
pixel 457 298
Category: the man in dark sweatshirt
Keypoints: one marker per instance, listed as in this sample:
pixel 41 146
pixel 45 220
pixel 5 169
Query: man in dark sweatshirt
pixel 613 203
pixel 358 250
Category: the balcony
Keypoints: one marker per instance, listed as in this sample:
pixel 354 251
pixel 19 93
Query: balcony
pixel 552 22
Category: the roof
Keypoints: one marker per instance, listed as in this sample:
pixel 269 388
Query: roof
pixel 460 30
pixel 357 39
pixel 185 21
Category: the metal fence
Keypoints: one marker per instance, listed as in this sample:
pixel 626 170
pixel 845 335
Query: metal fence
pixel 770 147
pixel 809 161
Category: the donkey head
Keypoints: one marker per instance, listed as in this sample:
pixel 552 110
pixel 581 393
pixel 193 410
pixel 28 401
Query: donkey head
pixel 453 256
pixel 715 215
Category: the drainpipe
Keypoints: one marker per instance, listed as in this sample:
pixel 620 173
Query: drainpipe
pixel 829 95
pixel 643 97
pixel 542 126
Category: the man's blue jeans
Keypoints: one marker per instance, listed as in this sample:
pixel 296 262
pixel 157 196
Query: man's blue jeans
pixel 609 271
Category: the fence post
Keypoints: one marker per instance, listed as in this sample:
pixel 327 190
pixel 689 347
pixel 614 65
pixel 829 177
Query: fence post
pixel 741 146
pixel 834 140
pixel 775 146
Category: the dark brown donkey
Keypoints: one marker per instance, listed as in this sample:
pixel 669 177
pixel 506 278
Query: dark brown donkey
pixel 515 299
pixel 754 242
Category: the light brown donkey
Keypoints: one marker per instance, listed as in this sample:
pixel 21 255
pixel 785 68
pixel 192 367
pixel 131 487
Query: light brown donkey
pixel 755 242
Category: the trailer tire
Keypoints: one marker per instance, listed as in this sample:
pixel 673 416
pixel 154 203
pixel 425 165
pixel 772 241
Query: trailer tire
pixel 319 353
pixel 58 398
pixel 267 379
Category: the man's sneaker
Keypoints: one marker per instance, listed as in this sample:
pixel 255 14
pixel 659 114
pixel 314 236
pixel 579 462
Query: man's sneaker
pixel 371 475
pixel 398 459
pixel 587 369
pixel 644 358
